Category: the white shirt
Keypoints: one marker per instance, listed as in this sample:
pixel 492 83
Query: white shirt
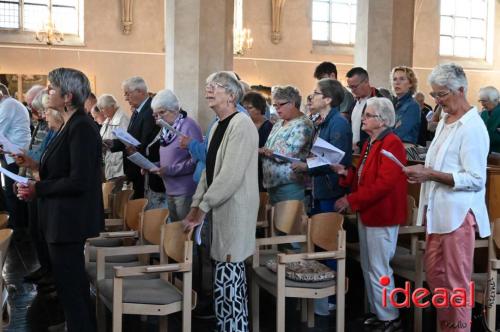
pixel 15 124
pixel 356 119
pixel 462 152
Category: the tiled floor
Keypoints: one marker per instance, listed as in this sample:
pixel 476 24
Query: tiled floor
pixel 34 312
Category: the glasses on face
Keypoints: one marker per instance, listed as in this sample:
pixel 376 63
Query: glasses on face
pixel 369 115
pixel 439 94
pixel 128 92
pixel 213 85
pixel 279 105
pixel 355 86
pixel 483 101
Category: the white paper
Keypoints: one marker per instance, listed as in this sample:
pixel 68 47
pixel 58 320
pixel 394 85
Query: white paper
pixel 8 147
pixel 392 157
pixel 285 158
pixel 315 162
pixel 165 124
pixel 328 153
pixel 125 137
pixel 141 161
pixel 15 177
pixel 197 232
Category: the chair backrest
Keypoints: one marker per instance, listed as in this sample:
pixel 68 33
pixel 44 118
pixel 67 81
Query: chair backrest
pixel 287 215
pixel 496 233
pixel 414 191
pixel 133 213
pixel 175 241
pixel 120 203
pixel 5 236
pixel 107 188
pixel 4 220
pixel 264 199
pixel 493 192
pixel 324 229
pixel 152 222
pixel 411 212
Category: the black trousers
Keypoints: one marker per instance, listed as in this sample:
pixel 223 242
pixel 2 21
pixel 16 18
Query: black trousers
pixel 18 209
pixel 37 236
pixel 73 289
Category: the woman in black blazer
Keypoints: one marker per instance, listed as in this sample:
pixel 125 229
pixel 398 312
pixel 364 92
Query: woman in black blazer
pixel 70 194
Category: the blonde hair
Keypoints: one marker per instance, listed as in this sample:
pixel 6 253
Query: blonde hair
pixel 410 74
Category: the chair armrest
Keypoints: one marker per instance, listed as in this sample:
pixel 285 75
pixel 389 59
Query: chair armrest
pixel 113 222
pixel 121 272
pixel 113 235
pixel 481 244
pixel 421 245
pixel 280 240
pixel 289 258
pixel 495 264
pixel 103 252
pixel 411 229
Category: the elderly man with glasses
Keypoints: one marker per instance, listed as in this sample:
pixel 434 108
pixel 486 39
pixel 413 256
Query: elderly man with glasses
pixel 490 100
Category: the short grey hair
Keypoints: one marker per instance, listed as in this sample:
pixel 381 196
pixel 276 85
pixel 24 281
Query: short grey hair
pixel 33 92
pixel 4 90
pixel 449 75
pixel 135 83
pixel 384 109
pixel 72 81
pixel 166 99
pixel 107 100
pixel 39 103
pixel 490 93
pixel 230 82
pixel 288 93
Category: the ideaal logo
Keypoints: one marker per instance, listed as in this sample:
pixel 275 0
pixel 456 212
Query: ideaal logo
pixel 441 298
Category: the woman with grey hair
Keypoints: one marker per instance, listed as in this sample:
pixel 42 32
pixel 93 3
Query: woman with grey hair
pixel 228 193
pixel 290 138
pixel 115 118
pixel 452 195
pixel 69 194
pixel 489 99
pixel 378 196
pixel 176 167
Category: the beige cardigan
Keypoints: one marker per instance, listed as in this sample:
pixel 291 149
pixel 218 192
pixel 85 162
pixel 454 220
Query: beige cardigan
pixel 233 196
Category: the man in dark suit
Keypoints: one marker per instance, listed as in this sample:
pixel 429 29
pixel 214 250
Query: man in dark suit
pixel 142 126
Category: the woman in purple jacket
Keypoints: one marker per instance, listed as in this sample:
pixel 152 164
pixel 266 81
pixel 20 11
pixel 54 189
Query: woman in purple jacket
pixel 176 165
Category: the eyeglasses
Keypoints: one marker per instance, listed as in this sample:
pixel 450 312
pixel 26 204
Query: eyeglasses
pixel 212 85
pixel 369 116
pixel 483 100
pixel 354 87
pixel 279 105
pixel 440 94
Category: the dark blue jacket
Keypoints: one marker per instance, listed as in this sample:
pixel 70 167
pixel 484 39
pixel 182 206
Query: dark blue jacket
pixel 407 119
pixel 336 130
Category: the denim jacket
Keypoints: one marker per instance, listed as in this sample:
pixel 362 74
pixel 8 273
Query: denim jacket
pixel 336 130
pixel 407 124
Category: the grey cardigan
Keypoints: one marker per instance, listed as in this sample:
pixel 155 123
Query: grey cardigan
pixel 233 196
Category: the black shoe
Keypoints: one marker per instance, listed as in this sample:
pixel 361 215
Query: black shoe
pixel 36 275
pixel 369 319
pixel 395 325
pixel 46 280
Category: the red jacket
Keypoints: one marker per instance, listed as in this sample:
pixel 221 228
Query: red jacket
pixel 380 195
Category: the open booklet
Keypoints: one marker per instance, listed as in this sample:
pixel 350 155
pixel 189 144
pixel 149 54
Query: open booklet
pixel 15 177
pixel 141 161
pixel 125 137
pixel 392 157
pixel 325 154
pixel 8 146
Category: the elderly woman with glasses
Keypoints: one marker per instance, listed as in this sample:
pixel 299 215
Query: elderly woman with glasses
pixel 290 140
pixel 404 85
pixel 452 196
pixel 70 195
pixel 228 193
pixel 176 165
pixel 378 196
pixel 490 100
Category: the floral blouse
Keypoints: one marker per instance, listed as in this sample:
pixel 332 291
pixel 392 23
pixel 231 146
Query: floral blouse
pixel 292 139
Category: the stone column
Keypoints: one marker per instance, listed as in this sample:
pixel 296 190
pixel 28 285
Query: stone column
pixel 384 37
pixel 198 42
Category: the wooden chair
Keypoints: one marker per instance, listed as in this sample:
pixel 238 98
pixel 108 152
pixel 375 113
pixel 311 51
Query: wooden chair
pixel 107 199
pixel 264 215
pixel 5 236
pixel 324 231
pixel 4 220
pixel 160 296
pixel 287 217
pixel 493 192
pixel 120 202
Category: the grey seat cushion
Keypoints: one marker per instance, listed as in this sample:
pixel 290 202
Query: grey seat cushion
pixel 405 262
pixel 105 242
pixel 113 259
pixel 150 291
pixel 109 271
pixel 265 275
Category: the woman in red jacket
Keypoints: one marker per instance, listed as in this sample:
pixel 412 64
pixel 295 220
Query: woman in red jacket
pixel 378 195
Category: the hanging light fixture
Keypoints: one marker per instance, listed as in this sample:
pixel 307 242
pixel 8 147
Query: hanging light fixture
pixel 242 41
pixel 48 33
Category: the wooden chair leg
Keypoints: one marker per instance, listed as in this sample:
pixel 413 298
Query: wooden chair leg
pixel 310 313
pixel 117 304
pixel 492 315
pixel 280 298
pixel 100 314
pixel 303 310
pixel 254 295
pixel 340 294
pixel 187 304
pixel 163 324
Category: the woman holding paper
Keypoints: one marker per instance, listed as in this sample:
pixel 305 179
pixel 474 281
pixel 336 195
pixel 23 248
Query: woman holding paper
pixel 176 165
pixel 70 194
pixel 290 137
pixel 378 195
pixel 452 195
